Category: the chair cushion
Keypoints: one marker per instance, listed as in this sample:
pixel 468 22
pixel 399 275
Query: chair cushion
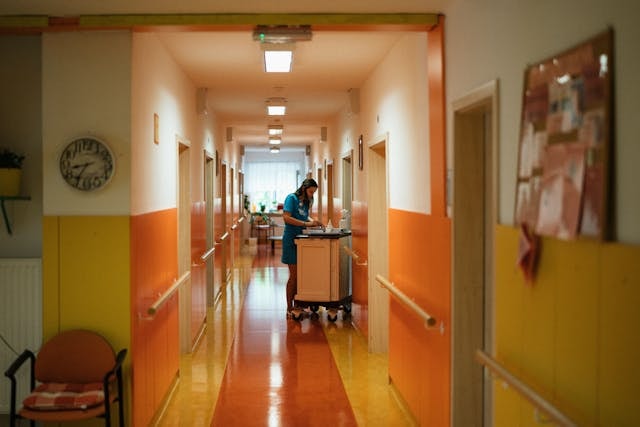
pixel 59 396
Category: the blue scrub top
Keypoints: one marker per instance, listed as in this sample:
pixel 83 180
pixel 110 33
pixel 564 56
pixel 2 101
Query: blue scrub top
pixel 300 211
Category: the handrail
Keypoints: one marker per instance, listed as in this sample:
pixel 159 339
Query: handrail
pixel 353 255
pixel 207 254
pixel 402 297
pixel 165 296
pixel 223 237
pixel 242 218
pixel 234 226
pixel 527 392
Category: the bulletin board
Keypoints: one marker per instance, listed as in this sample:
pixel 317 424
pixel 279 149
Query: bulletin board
pixel 566 143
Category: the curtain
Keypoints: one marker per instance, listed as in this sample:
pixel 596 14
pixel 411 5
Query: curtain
pixel 268 183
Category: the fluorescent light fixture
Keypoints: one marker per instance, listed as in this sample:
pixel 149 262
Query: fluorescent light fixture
pixel 276 110
pixel 275 130
pixel 274 150
pixel 277 61
pixel 276 106
pixel 275 141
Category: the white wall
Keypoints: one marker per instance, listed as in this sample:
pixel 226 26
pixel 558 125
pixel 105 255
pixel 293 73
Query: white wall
pixel 160 87
pixel 494 39
pixel 394 100
pixel 86 80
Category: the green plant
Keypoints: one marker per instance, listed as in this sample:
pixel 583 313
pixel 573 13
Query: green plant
pixel 10 159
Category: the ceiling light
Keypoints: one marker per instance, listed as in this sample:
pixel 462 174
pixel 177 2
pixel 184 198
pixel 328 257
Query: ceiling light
pixel 275 141
pixel 276 106
pixel 275 130
pixel 276 110
pixel 277 61
pixel 274 150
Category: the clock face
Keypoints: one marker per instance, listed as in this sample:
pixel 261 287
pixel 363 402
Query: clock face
pixel 86 164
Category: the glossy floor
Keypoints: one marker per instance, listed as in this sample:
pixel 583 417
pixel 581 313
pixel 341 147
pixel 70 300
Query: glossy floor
pixel 255 367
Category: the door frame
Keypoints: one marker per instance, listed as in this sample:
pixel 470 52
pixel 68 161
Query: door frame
pixel 474 189
pixel 183 204
pixel 378 242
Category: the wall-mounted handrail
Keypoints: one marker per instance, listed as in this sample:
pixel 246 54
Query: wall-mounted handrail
pixel 207 254
pixel 354 255
pixel 403 298
pixel 554 414
pixel 167 294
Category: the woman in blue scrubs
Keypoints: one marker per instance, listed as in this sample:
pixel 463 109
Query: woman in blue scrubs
pixel 296 217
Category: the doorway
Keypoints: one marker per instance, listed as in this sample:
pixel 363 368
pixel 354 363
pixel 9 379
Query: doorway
pixel 378 243
pixel 474 219
pixel 224 209
pixel 330 212
pixel 209 173
pixel 347 181
pixel 184 243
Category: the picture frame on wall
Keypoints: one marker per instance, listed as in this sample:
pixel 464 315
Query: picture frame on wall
pixel 565 143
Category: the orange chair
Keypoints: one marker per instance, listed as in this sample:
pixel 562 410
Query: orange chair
pixel 78 375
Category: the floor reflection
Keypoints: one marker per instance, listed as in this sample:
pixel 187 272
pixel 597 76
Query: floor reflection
pixel 255 367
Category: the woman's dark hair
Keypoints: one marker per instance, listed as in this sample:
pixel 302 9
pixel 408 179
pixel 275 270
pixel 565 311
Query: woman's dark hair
pixel 301 192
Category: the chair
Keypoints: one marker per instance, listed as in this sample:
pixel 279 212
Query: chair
pixel 79 377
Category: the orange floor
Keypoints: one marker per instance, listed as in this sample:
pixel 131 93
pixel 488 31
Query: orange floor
pixel 255 367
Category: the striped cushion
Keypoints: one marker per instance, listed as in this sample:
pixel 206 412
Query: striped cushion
pixel 57 396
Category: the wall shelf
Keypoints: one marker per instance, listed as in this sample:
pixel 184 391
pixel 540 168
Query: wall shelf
pixel 7 224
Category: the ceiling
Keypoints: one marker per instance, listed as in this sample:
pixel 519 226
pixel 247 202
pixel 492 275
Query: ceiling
pixel 229 65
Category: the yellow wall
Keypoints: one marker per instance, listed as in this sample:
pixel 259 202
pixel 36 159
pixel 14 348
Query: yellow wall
pixel 572 334
pixel 86 277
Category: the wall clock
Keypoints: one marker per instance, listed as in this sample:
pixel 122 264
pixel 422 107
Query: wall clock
pixel 87 164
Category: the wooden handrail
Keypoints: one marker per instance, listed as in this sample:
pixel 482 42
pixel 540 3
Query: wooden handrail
pixel 554 414
pixel 403 298
pixel 167 294
pixel 353 255
pixel 207 254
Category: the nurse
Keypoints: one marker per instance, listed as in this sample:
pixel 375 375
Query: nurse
pixel 296 217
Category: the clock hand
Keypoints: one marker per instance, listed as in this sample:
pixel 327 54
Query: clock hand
pixel 84 167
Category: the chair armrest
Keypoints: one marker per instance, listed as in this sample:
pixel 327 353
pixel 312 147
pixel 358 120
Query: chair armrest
pixel 115 371
pixel 11 374
pixel 13 368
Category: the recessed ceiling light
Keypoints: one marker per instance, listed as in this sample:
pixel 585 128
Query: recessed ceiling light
pixel 276 106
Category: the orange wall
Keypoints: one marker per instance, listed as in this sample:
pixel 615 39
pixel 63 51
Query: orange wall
pixel 419 358
pixel 155 340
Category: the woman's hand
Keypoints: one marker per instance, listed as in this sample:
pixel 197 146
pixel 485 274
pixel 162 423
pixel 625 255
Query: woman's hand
pixel 314 223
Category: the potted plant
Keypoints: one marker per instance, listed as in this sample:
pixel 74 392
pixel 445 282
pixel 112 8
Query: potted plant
pixel 10 172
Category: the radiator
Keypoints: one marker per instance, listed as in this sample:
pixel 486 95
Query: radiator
pixel 20 319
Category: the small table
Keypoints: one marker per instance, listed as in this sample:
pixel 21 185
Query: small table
pixel 273 240
pixel 263 230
